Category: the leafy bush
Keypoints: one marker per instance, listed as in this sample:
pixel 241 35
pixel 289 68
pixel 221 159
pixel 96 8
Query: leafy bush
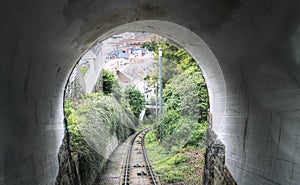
pixel 69 112
pixel 187 94
pixel 135 99
pixel 168 124
pixel 197 137
pixel 110 84
pixel 149 45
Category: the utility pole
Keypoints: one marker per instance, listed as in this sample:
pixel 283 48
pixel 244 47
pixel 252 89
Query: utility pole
pixel 160 81
pixel 160 89
pixel 156 100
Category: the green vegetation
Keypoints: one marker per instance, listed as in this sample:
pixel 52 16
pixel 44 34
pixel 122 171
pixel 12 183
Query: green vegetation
pixel 84 69
pixel 149 45
pixel 97 119
pixel 176 143
pixel 87 157
pixel 135 99
pixel 109 83
pixel 175 166
pixel 93 122
pixel 180 132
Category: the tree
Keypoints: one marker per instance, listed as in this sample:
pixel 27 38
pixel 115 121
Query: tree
pixel 187 94
pixel 135 99
pixel 149 45
pixel 185 98
pixel 110 83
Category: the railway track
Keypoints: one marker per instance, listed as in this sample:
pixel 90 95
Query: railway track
pixel 138 170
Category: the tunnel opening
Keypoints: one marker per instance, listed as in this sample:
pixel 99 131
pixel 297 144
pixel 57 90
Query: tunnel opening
pixel 255 107
pixel 186 98
pixel 194 45
pixel 84 66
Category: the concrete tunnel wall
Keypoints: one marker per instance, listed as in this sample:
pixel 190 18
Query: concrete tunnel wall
pixel 248 50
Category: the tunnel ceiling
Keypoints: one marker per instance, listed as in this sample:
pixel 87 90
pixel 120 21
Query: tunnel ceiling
pixel 248 50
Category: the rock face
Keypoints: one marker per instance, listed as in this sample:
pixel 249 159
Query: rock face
pixel 215 170
pixel 67 174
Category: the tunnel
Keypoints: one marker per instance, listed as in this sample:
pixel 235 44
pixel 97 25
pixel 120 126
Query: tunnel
pixel 249 52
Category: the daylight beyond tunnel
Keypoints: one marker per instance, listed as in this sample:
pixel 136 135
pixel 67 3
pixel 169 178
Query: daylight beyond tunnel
pixel 113 90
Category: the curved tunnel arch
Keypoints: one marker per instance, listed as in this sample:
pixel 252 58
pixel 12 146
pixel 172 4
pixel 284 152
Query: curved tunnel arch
pixel 222 117
pixel 258 97
pixel 196 47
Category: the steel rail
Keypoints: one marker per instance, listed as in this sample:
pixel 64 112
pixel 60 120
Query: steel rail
pixel 147 159
pixel 128 160
pixel 127 164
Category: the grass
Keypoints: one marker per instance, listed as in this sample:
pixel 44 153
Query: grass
pixel 83 70
pixel 173 166
pixel 143 127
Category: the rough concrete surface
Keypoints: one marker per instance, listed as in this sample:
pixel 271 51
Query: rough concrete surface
pixel 248 50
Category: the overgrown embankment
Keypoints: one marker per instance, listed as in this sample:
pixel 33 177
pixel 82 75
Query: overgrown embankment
pixel 96 125
pixel 177 143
